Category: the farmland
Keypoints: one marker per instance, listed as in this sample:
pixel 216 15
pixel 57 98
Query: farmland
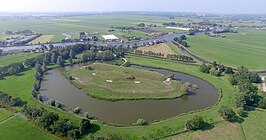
pixel 243 48
pixel 42 39
pixel 4 114
pixel 159 48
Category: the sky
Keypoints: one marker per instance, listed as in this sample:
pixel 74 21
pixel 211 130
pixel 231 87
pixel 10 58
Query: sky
pixel 203 6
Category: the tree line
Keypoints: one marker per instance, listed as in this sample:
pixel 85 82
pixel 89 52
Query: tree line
pixel 51 121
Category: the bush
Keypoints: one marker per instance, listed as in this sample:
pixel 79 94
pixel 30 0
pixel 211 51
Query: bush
pixel 71 78
pixel 76 110
pixel 84 126
pixel 141 122
pixel 86 115
pixel 58 104
pixel 228 114
pixel 262 103
pixel 195 123
pixel 51 102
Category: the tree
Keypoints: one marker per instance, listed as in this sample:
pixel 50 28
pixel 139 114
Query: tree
pixel 37 76
pixel 61 126
pixel 240 100
pixel 60 61
pixel 51 102
pixel 54 57
pixel 228 114
pixel 84 126
pixel 72 54
pixel 74 134
pixel 262 102
pixel 47 119
pixel 38 68
pixel 70 61
pixel 204 68
pixel 44 67
pixel 195 123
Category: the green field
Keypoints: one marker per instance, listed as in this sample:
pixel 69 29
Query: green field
pixel 19 129
pixel 254 125
pixel 247 47
pixel 167 30
pixel 174 48
pixel 122 86
pixel 91 24
pixel 9 59
pixel 4 114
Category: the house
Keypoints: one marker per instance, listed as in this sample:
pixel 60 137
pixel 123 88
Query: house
pixel 110 38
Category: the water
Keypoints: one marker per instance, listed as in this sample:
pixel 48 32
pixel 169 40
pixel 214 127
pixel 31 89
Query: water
pixel 56 86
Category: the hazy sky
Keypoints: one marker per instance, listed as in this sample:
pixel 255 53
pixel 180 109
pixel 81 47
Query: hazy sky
pixel 217 6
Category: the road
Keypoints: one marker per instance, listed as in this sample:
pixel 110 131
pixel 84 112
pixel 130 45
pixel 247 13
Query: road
pixel 166 38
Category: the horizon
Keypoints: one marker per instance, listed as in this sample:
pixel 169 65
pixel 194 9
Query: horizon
pixel 101 6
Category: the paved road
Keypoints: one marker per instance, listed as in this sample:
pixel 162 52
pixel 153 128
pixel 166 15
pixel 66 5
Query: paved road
pixel 166 38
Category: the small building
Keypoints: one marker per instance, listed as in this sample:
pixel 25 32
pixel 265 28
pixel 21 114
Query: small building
pixel 111 38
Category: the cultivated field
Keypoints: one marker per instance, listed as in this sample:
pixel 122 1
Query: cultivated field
pixel 112 82
pixel 247 47
pixel 42 39
pixel 159 48
pixel 19 129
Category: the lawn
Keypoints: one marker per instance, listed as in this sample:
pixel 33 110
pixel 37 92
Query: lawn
pixel 124 83
pixel 247 47
pixel 42 39
pixel 19 129
pixel 9 59
pixel 4 114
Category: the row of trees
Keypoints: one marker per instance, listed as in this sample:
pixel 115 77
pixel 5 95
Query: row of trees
pixel 181 40
pixel 175 57
pixel 215 69
pixel 11 69
pixel 247 93
pixel 52 122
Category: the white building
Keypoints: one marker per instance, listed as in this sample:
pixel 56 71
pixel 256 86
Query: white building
pixel 110 38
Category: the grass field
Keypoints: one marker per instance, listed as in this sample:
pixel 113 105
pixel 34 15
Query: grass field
pixel 19 129
pixel 136 33
pixel 247 48
pixel 174 48
pixel 167 30
pixel 254 125
pixel 9 59
pixel 159 48
pixel 4 114
pixel 221 131
pixel 151 85
pixel 42 39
